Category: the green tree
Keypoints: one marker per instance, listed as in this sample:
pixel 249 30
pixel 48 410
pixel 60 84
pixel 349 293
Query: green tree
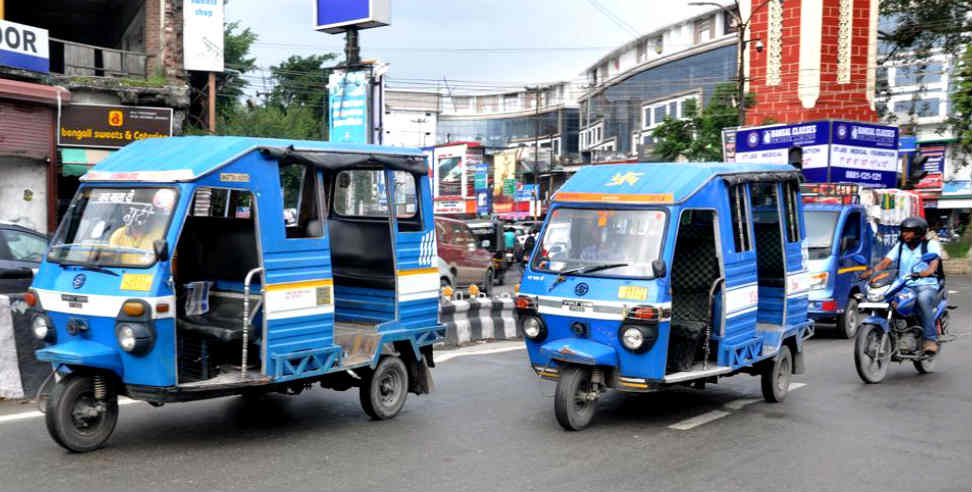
pixel 698 136
pixel 301 81
pixel 231 83
pixel 960 116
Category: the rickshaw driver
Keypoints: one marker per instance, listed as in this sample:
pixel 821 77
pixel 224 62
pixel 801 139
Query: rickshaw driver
pixel 143 225
pixel 907 253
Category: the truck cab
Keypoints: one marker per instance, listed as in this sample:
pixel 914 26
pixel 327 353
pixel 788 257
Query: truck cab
pixel 839 243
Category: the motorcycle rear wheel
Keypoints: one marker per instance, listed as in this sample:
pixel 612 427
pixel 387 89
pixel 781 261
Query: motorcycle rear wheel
pixel 872 353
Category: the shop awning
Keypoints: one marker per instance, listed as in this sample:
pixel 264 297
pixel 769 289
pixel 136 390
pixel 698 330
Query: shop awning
pixel 76 162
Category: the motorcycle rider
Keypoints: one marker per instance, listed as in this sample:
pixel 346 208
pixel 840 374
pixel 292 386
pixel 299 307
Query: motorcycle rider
pixel 907 253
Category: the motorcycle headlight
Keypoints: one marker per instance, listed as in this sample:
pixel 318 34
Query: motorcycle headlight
pixel 134 338
pixel 875 295
pixel 533 328
pixel 43 329
pixel 819 280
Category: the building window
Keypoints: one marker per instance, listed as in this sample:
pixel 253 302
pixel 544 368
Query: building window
pixel 704 29
pixel 642 51
pixel 660 114
pixel 729 21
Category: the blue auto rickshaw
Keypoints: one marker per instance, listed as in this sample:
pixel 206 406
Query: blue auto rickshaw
pixel 197 267
pixel 652 275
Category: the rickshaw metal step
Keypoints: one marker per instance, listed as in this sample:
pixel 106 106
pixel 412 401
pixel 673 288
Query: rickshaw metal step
pixel 696 372
pixel 359 342
pixel 228 378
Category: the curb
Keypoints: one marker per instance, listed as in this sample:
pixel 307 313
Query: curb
pixel 478 319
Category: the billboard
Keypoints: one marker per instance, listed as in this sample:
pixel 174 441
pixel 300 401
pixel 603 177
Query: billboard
pixel 24 47
pixel 833 151
pixel 337 16
pixel 202 35
pixel 348 103
pixel 111 126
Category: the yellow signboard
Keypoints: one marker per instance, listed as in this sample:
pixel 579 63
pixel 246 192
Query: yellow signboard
pixel 633 292
pixel 136 281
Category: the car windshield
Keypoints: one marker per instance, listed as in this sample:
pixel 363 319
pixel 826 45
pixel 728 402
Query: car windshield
pixel 113 227
pixel 624 242
pixel 820 229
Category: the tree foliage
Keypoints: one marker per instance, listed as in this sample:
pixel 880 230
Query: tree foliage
pixel 301 81
pixel 236 48
pixel 698 135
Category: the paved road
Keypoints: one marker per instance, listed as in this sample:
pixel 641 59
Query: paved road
pixel 490 426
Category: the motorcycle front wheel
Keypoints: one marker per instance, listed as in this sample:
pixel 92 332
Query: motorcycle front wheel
pixel 872 353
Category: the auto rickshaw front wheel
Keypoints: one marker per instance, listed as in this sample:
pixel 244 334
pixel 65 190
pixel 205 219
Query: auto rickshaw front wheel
pixel 76 418
pixel 575 400
pixel 382 393
pixel 776 376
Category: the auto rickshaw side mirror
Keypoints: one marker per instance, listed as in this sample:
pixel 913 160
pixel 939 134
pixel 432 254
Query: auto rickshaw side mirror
pixel 161 248
pixel 659 269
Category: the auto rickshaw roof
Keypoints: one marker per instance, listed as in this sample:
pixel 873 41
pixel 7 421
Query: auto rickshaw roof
pixel 173 159
pixel 661 183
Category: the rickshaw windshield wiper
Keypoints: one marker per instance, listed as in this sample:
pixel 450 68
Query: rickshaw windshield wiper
pixel 91 268
pixel 588 269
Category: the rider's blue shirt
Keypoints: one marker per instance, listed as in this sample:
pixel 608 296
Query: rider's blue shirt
pixel 911 257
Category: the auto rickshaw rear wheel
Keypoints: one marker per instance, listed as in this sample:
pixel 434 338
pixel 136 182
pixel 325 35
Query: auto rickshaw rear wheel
pixel 76 419
pixel 383 393
pixel 776 376
pixel 573 404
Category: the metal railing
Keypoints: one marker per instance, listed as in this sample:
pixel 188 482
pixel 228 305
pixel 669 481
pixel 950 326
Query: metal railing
pixel 71 58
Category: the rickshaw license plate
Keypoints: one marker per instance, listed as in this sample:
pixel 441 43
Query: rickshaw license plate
pixel 576 306
pixel 632 292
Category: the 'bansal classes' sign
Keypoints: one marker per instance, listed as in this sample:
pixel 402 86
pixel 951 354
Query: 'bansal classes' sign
pixel 337 16
pixel 202 35
pixel 863 153
pixel 111 126
pixel 772 144
pixel 348 103
pixel 24 47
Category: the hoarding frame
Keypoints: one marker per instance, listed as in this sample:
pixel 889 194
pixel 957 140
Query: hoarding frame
pixel 379 14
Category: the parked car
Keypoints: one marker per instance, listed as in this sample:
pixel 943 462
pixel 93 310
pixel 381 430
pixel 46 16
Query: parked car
pixel 468 262
pixel 491 232
pixel 21 252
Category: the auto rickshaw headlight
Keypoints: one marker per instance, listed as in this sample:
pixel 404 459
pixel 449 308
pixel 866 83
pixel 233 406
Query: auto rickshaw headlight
pixel 533 328
pixel 43 329
pixel 134 338
pixel 638 338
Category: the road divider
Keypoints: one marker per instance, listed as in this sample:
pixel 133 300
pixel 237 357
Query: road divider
pixel 478 318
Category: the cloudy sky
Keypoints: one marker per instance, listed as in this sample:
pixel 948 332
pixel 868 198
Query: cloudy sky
pixel 470 42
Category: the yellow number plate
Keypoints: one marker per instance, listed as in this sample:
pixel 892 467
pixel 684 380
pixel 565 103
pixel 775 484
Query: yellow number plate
pixel 633 293
pixel 136 281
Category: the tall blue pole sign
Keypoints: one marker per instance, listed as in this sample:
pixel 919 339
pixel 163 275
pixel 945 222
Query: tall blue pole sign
pixel 348 103
pixel 24 47
pixel 337 16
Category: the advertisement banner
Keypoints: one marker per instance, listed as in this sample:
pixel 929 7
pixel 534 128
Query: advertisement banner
pixel 480 177
pixel 863 153
pixel 202 35
pixel 111 126
pixel 449 168
pixel 729 144
pixel 348 102
pixel 24 47
pixel 504 168
pixel 526 193
pixel 936 158
pixel 335 16
pixel 483 201
pixel 772 145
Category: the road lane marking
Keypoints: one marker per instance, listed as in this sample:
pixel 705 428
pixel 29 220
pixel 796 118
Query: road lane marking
pixel 477 351
pixel 15 417
pixel 694 422
pixel 707 417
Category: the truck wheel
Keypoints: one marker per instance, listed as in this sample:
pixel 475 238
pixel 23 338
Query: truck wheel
pixel 847 322
pixel 872 353
pixel 571 404
pixel 382 395
pixel 75 419
pixel 776 376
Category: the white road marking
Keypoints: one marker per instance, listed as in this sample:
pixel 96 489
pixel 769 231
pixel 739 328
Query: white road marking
pixel 707 417
pixel 694 422
pixel 29 415
pixel 478 350
pixel 950 292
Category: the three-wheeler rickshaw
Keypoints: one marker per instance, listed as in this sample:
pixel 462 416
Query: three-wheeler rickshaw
pixel 198 267
pixel 652 275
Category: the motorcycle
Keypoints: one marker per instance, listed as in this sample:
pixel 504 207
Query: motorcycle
pixel 892 330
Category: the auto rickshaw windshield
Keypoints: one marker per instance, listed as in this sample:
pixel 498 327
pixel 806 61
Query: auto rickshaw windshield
pixel 576 238
pixel 113 226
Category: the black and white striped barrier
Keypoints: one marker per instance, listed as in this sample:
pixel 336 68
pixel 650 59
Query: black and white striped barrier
pixel 478 318
pixel 20 373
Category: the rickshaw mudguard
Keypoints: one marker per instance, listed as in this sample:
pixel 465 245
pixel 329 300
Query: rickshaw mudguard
pixel 580 351
pixel 82 353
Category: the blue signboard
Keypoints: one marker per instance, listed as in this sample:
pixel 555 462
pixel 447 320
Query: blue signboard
pixel 863 153
pixel 24 47
pixel 525 193
pixel 335 16
pixel 907 144
pixel 348 104
pixel 484 202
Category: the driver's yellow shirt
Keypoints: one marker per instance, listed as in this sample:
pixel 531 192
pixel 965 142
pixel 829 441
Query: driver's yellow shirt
pixel 121 239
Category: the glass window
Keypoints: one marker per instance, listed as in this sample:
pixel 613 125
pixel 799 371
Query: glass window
pixel 301 201
pixel 929 107
pixel 932 73
pixel 21 246
pixel 222 202
pixel 460 234
pixel 406 200
pixel 905 76
pixel 740 218
pixel 852 230
pixel 647 118
pixel 361 193
pixel 820 232
pixel 791 202
pixel 611 242
pixel 659 114
pixel 673 109
pixel 904 107
pixel 114 226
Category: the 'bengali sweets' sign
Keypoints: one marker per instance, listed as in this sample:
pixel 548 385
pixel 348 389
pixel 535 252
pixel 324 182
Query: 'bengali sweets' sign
pixel 111 126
